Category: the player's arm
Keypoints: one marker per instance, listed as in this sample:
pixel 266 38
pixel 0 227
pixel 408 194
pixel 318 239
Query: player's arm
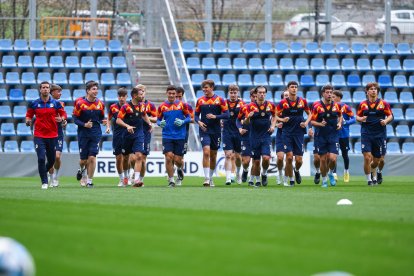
pixel 306 123
pixel 152 114
pixel 197 113
pixel 119 120
pixel 29 115
pixel 340 120
pixel 360 115
pixel 314 118
pixel 389 116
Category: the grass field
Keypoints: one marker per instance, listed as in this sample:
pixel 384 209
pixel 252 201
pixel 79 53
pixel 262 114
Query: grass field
pixel 191 230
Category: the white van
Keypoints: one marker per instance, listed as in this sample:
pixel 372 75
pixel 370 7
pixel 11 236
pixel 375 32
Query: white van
pixel 402 22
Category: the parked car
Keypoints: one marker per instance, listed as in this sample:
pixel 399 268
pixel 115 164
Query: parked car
pixel 402 22
pixel 303 24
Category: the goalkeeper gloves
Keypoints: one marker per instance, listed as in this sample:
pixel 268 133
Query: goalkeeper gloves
pixel 163 123
pixel 178 122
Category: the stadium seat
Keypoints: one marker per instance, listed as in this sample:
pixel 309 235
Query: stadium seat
pixel 197 79
pixel 107 146
pixel 338 80
pixel 115 46
pixel 307 81
pixel 312 48
pixel 99 45
pixel 199 93
pixel 193 63
pixel 56 62
pixel 291 77
pixel 348 64
pixel 411 81
pixel 12 78
pixel 69 111
pixel 83 46
pixel 342 48
pixel 388 49
pixel 408 148
pixel 255 64
pixel 40 62
pixel 394 65
pixel 44 76
pixel 66 96
pixel 302 64
pixel 16 95
pixel 72 62
pixel 244 80
pixel 5 112
pixel 87 62
pixel 317 64
pixel 208 63
pixel 111 95
pixel 358 97
pixel 103 130
pixel 60 78
pixel 220 93
pixel 20 45
pixel 355 130
pixel 224 64
pixel 73 147
pixel 265 48
pixel 332 64
pixel 286 64
pixel 234 47
pixel 358 48
pixel 123 79
pixel 363 64
pixel 19 111
pixel 23 130
pixel 276 80
pixel 219 47
pixel 402 131
pixel 409 114
pixel 68 45
pixel 24 62
pixel 3 95
pixel 368 78
pixel 91 77
pixel 312 96
pixel 31 94
pixel 215 78
pixel 393 148
pixel 1 78
pixel 36 45
pixel 403 49
pixel 119 62
pixel 398 114
pixel 296 48
pixel 270 64
pixel 250 47
pixel 373 48
pixel 28 78
pixel 281 48
pixel 75 79
pixel 52 45
pixel 384 81
pixel 239 64
pixel 11 146
pixel 408 65
pixel 353 80
pixel 103 62
pixel 379 65
pixel 7 129
pixel 391 97
pixel 203 47
pixel 406 97
pixel 27 146
pixel 9 62
pixel 228 79
pixel 390 131
pixel 260 79
pixel 71 129
pixel 327 48
pixel 346 97
pixel 400 81
pixel 322 79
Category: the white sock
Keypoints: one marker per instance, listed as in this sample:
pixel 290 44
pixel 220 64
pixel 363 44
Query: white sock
pixel 318 170
pixel 228 176
pixel 211 173
pixel 141 178
pixel 238 170
pixel 368 176
pixel 89 181
pixel 206 172
pixel 251 179
pixel 281 173
pixel 171 179
pixel 264 172
pixel 121 176
pixel 246 169
pixel 126 173
pixel 286 178
pixel 346 171
pixel 324 178
pixel 137 176
pixel 55 174
pixel 292 178
pixel 379 171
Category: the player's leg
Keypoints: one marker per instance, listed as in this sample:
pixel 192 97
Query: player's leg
pixel 280 155
pixel 265 151
pixel 324 168
pixel 169 166
pixel 58 162
pixel 333 151
pixel 179 150
pixel 92 149
pixel 50 157
pixel 205 143
pixel 256 170
pixel 215 140
pixel 344 145
pixel 366 147
pixel 297 143
pixel 317 165
pixel 381 161
pixel 144 166
pixel 228 165
pixel 238 163
pixel 137 169
pixel 119 162
pixel 246 155
pixel 288 146
pixel 41 160
pixel 131 167
pixel 125 168
pixel 81 175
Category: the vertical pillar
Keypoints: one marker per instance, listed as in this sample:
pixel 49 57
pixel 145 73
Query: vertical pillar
pixel 387 32
pixel 94 8
pixel 268 19
pixel 208 27
pixel 328 13
pixel 32 19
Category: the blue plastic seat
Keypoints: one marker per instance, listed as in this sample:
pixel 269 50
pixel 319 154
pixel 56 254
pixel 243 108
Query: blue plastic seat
pixel 388 49
pixel 260 79
pixel 107 79
pixel 393 148
pixel 394 65
pixel 12 78
pixel 286 64
pixel 276 80
pixel 224 64
pixel 398 114
pixel 411 81
pixel 11 146
pixel 302 64
pixel 384 81
pixel 270 64
pixel 66 96
pixel 390 131
pixel 342 48
pixel 5 112
pixel 44 76
pixel 60 78
pixel 215 78
pixel 31 94
pixel 83 46
pixel 40 62
pixel 255 64
pixel 78 93
pixel 363 64
pixel 338 80
pixel 8 62
pixel 312 96
pixel 250 47
pixel 3 95
pixel 73 147
pixel 75 78
pixel 56 62
pixel 36 45
pixel 281 48
pixel 368 78
pixel 197 79
pixel 72 62
pixel 228 79
pixel 317 64
pixel 193 63
pixel 355 130
pixel 402 131
pixel 23 130
pixel 322 79
pixel 408 65
pixel 204 47
pixel 199 93
pixel 296 48
pixel 239 64
pixel 71 129
pixel 406 97
pixel 358 48
pixel 99 45
pixel 68 45
pixel 28 78
pixel 245 80
pixel 291 77
pixel 327 48
pixel 353 80
pixel 103 62
pixel 220 93
pixel 119 62
pixel 400 81
pixel 332 64
pixel 346 97
pixel 7 129
pixel 16 95
pixel 123 79
pixel 307 81
pixel 265 48
pixel 348 64
pixel 106 146
pixel 27 146
pixel 92 77
pixel 87 62
pixel 404 49
pixel 358 97
pixel 103 130
pixel 208 63
pixel 52 45
pixel 115 46
pixel 312 48
pixel 391 97
pixel 379 65
pixel 20 45
pixel 408 148
pixel 111 95
pixel 234 47
pixel 24 62
pixel 219 47
pixel 373 48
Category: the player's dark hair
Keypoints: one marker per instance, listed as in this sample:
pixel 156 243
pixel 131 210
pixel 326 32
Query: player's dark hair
pixel 372 84
pixel 54 87
pixel 282 96
pixel 171 87
pixel 292 83
pixel 43 82
pixel 122 92
pixel 135 91
pixel 338 93
pixel 179 89
pixel 326 87
pixel 233 87
pixel 90 84
pixel 253 91
pixel 208 82
pixel 260 86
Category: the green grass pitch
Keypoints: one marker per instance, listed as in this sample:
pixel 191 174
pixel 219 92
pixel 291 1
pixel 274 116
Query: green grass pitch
pixel 191 230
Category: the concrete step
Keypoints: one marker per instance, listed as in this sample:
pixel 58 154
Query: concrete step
pixel 155 79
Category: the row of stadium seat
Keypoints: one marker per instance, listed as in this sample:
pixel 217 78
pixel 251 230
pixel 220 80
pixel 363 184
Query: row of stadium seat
pixel 61 78
pixel 70 62
pixel 300 64
pixel 66 45
pixel 281 47
pixel 392 147
pixel 307 80
pixel 7 129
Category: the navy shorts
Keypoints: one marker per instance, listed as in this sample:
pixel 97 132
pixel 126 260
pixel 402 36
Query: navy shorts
pixel 344 144
pixel 147 142
pixel 133 144
pixel 45 147
pixel 376 146
pixel 328 145
pixel 210 139
pixel 88 146
pixel 293 144
pixel 261 147
pixel 246 150
pixel 279 145
pixel 117 142
pixel 174 146
pixel 315 145
pixel 231 142
pixel 59 143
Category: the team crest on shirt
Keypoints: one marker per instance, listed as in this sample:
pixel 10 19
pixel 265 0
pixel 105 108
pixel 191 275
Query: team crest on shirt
pixel 381 105
pixel 51 105
pixel 38 105
pixel 334 109
pixel 300 105
pixel 262 107
pixel 232 113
